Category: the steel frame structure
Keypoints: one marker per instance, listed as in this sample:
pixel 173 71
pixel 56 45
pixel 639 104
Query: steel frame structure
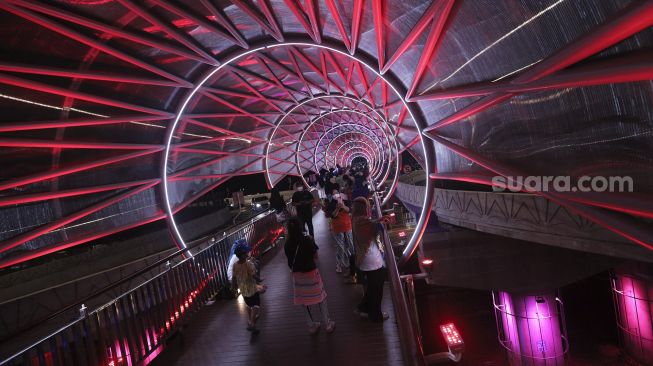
pixel 385 150
pixel 375 169
pixel 294 45
pixel 380 154
pixel 180 44
pixel 349 138
pixel 547 75
pixel 315 153
pixel 313 99
pixel 340 125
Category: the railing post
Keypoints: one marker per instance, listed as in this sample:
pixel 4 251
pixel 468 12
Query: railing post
pixel 108 337
pixel 82 311
pixel 411 343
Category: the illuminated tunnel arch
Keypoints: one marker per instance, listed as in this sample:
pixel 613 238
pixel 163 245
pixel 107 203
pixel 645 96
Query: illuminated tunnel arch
pixel 356 155
pixel 388 147
pixel 90 100
pixel 325 133
pixel 355 128
pixel 354 138
pixel 384 143
pixel 293 121
pixel 357 138
pixel 383 155
pixel 387 129
pixel 353 151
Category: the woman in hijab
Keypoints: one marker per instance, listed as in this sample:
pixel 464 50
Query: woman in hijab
pixel 369 259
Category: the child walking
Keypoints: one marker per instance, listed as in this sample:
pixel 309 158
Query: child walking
pixel 244 278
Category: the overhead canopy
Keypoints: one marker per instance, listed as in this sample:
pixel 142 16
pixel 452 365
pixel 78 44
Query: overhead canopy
pixel 100 97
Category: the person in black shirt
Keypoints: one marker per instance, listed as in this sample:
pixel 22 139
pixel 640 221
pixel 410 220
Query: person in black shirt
pixel 330 186
pixel 308 290
pixel 276 201
pixel 303 202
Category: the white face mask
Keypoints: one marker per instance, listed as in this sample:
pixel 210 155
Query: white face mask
pixel 300 188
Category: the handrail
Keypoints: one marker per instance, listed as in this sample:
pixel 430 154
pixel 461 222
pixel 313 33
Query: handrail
pixel 180 284
pixel 411 343
pixel 191 245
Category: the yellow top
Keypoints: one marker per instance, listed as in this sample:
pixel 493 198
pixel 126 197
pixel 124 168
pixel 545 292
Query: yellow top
pixel 244 274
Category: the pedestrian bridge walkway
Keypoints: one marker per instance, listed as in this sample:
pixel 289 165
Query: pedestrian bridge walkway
pixel 217 334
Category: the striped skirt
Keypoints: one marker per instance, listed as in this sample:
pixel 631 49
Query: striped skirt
pixel 308 288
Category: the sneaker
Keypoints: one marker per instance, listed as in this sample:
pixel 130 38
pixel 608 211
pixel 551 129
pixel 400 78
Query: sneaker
pixel 314 328
pixel 330 327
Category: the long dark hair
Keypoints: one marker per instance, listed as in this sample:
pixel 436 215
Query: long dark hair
pixel 330 206
pixel 274 193
pixel 294 229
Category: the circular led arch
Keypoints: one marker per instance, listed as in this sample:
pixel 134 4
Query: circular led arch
pixel 352 151
pixel 427 150
pixel 376 156
pixel 318 118
pixel 375 169
pixel 384 152
pixel 356 155
pixel 396 149
pixel 302 103
pixel 338 157
pixel 319 97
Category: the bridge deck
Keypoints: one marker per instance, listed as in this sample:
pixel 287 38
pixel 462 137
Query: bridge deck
pixel 217 335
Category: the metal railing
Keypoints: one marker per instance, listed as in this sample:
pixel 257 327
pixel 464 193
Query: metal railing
pixel 411 342
pixel 132 328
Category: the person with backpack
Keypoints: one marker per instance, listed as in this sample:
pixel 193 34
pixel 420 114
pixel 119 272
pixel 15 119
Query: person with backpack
pixel 244 279
pixel 308 290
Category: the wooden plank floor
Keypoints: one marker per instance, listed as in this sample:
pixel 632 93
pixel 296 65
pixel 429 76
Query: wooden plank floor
pixel 217 334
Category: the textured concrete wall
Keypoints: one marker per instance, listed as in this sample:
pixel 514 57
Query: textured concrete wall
pixel 525 217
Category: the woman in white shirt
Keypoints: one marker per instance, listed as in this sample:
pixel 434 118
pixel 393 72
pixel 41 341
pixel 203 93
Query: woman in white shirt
pixel 369 259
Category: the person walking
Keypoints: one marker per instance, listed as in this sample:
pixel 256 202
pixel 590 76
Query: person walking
pixel 308 290
pixel 369 259
pixel 303 202
pixel 337 211
pixel 244 279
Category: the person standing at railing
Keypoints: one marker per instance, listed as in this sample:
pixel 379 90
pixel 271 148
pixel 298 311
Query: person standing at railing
pixel 338 212
pixel 369 259
pixel 308 290
pixel 244 279
pixel 278 204
pixel 303 201
pixel 360 188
